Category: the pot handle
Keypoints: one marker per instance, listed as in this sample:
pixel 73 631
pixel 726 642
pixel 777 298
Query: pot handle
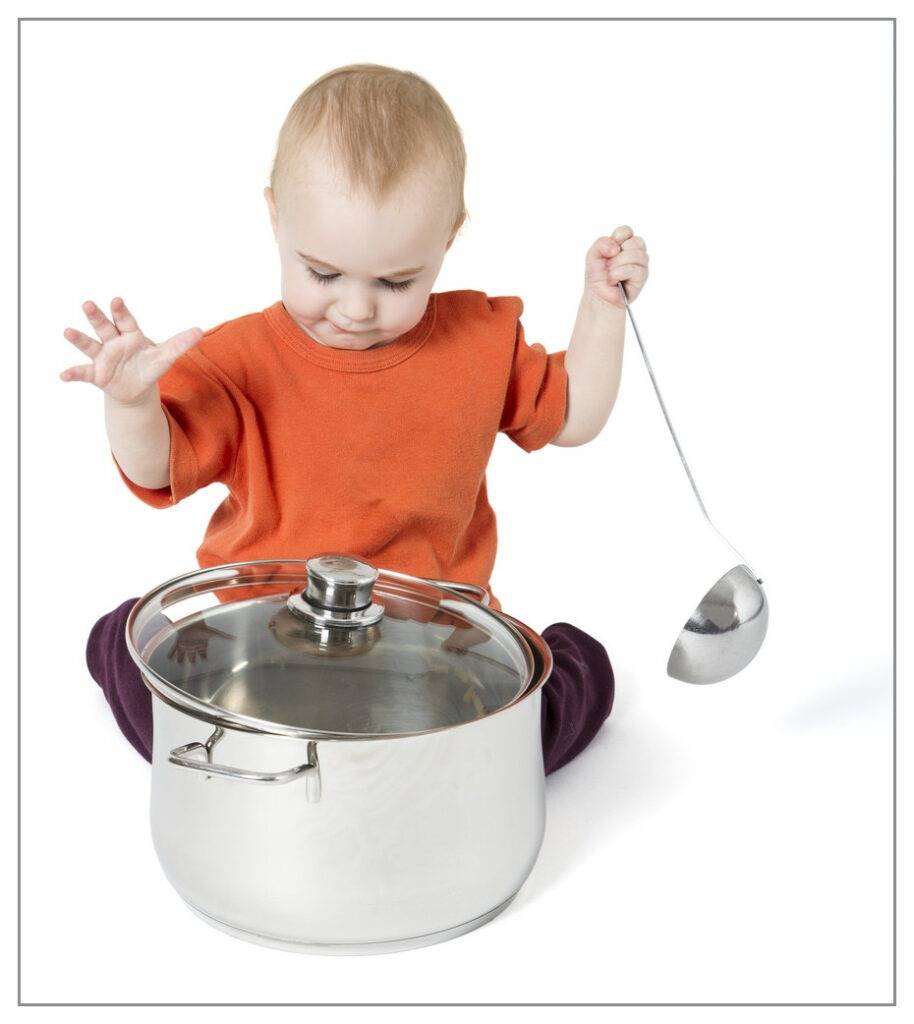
pixel 310 770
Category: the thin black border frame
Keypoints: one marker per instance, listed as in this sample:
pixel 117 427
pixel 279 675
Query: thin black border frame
pixel 894 22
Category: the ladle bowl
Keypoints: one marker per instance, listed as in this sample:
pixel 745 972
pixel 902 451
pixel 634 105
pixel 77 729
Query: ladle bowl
pixel 725 631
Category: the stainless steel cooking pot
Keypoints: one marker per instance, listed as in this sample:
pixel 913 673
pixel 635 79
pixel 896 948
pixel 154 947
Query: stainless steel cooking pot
pixel 345 760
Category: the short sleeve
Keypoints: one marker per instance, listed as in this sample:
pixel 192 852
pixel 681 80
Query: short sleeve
pixel 204 427
pixel 537 395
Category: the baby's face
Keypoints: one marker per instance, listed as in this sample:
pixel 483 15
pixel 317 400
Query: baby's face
pixel 354 275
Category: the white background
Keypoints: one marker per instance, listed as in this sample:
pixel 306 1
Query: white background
pixel 730 843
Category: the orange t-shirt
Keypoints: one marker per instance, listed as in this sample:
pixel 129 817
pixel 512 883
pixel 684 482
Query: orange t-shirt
pixel 380 453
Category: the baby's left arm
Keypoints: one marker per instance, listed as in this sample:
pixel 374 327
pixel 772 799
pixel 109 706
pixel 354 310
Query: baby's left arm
pixel 594 357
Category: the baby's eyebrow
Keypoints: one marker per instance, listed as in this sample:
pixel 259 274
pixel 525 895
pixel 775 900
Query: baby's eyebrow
pixel 330 266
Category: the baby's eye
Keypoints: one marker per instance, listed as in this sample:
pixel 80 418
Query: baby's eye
pixel 395 286
pixel 323 278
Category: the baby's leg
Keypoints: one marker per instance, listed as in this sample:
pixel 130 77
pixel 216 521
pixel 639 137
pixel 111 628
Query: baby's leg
pixel 116 673
pixel 578 697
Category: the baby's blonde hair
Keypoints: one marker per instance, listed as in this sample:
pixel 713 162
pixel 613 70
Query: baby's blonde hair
pixel 380 124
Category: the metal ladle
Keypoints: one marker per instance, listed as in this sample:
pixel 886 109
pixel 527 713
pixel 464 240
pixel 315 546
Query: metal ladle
pixel 727 628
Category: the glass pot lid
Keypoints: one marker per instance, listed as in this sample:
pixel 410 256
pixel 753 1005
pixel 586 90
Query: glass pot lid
pixel 329 647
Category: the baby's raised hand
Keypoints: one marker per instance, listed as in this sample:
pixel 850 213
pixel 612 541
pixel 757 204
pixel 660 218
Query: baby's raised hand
pixel 126 365
pixel 621 256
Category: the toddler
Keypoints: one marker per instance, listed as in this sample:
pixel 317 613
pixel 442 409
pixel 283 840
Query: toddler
pixel 357 414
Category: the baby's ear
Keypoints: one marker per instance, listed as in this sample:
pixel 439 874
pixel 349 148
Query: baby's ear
pixel 454 232
pixel 268 195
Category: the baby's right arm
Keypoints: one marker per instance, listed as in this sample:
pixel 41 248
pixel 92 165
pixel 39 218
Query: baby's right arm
pixel 140 441
pixel 127 366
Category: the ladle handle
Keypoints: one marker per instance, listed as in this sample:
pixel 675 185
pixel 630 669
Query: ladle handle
pixel 669 424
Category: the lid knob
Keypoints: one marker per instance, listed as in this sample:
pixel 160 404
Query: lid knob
pixel 338 592
pixel 340 582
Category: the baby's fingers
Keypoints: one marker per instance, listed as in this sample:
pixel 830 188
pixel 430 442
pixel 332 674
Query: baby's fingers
pixel 83 342
pixel 103 326
pixel 123 318
pixel 630 257
pixel 85 373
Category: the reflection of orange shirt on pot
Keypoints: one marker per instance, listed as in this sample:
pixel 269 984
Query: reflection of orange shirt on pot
pixel 380 453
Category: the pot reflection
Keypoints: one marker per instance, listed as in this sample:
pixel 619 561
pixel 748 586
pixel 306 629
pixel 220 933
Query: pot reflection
pixel 319 678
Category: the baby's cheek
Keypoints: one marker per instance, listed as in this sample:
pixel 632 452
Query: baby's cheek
pixel 410 311
pixel 300 302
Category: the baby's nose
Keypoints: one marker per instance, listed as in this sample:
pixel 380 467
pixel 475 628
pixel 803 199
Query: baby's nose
pixel 355 308
pixel 355 315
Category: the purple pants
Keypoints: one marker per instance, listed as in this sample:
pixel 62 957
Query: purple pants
pixel 576 698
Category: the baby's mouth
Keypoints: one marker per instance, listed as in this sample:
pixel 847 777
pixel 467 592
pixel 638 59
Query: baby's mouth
pixel 339 330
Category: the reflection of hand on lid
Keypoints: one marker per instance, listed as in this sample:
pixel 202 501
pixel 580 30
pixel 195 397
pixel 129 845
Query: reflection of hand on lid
pixel 464 637
pixel 193 640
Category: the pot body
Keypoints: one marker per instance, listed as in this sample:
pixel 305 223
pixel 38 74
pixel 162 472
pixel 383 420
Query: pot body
pixel 383 844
